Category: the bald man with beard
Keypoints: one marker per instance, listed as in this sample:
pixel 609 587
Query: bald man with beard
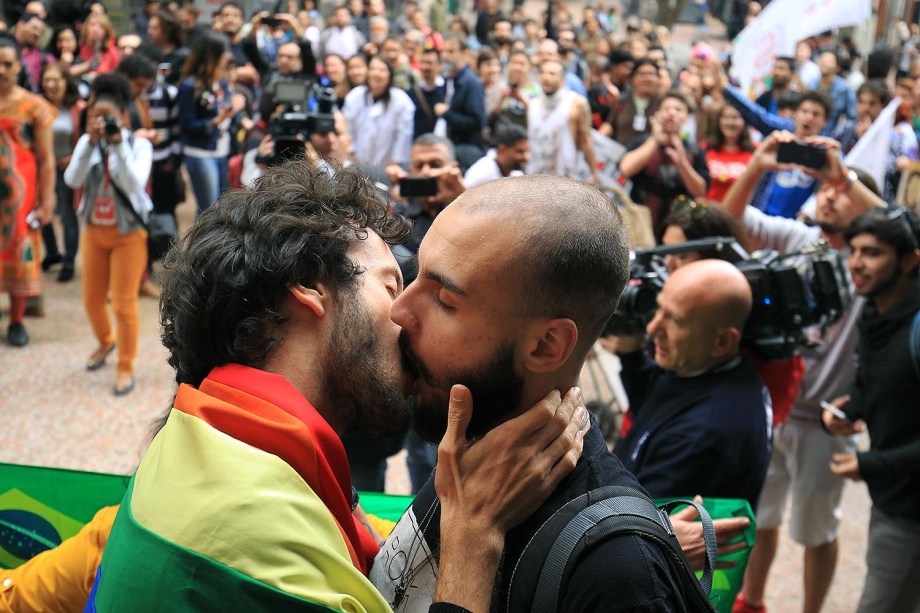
pixel 702 414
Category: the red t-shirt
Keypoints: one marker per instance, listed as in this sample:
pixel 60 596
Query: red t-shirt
pixel 724 169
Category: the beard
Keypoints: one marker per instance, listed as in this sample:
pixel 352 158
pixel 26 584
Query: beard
pixel 363 388
pixel 495 387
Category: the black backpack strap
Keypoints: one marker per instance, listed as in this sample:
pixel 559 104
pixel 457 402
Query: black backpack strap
pixel 709 538
pixel 590 519
pixel 618 507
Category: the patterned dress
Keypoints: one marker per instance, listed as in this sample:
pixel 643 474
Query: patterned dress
pixel 20 261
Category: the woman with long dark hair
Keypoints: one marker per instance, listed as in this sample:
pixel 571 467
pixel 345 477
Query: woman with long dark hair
pixel 64 45
pixel 112 166
pixel 61 90
pixel 380 118
pixel 728 151
pixel 206 111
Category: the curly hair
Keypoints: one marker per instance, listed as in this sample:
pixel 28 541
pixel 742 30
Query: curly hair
pixel 227 277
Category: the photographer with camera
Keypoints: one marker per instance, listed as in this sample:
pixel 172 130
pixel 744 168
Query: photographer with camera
pixel 112 167
pixel 295 63
pixel 801 448
pixel 324 144
pixel 702 415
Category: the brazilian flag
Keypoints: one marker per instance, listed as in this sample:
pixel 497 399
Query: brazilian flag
pixel 41 507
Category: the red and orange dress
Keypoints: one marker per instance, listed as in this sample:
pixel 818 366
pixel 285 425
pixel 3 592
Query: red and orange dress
pixel 20 260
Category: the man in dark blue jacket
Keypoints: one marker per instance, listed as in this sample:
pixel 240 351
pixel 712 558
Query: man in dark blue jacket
pixel 462 115
pixel 702 414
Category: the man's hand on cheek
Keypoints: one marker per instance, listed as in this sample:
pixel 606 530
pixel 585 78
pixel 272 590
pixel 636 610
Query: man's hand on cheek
pixel 491 485
pixel 502 478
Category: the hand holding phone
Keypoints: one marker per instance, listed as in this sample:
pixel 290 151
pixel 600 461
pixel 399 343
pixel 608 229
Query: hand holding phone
pixel 802 154
pixel 417 187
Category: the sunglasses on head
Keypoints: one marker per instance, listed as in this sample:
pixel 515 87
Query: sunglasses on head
pixel 696 210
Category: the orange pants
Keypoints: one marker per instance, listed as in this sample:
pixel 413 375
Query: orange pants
pixel 113 265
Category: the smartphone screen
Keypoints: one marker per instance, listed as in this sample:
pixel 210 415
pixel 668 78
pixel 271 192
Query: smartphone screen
pixel 803 154
pixel 415 187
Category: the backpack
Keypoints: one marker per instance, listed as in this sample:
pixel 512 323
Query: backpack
pixel 603 513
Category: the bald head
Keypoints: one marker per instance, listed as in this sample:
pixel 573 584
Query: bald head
pixel 563 246
pixel 701 313
pixel 715 290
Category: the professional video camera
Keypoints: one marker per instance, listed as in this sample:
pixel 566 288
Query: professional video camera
pixel 305 109
pixel 791 292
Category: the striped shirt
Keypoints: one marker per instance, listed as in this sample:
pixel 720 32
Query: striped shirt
pixel 164 113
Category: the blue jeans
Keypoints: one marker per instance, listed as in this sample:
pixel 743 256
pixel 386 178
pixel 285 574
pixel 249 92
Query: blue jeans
pixel 209 179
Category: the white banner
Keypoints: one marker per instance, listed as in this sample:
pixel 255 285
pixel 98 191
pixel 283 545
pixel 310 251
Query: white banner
pixel 780 26
pixel 870 153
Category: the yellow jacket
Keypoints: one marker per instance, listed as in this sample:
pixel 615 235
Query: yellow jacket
pixel 59 579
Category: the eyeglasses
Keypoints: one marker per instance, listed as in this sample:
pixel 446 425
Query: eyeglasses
pixel 695 210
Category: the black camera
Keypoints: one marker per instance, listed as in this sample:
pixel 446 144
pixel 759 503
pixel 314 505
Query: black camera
pixel 791 292
pixel 304 109
pixel 110 125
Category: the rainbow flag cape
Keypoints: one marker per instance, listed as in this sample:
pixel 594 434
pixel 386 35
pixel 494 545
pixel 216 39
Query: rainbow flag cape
pixel 243 501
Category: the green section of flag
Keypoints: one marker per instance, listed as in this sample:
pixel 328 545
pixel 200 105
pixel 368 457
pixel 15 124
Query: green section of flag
pixel 385 506
pixel 40 507
pixel 140 571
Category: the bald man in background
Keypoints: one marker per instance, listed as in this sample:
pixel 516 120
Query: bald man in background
pixel 701 413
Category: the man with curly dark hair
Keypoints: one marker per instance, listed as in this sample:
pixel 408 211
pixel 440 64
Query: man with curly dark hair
pixel 276 315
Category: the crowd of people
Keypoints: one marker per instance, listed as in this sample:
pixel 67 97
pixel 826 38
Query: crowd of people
pixel 433 197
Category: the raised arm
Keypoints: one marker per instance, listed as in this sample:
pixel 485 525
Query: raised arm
pixel 763 160
pixel 755 115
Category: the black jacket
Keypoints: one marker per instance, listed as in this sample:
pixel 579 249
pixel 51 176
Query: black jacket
pixel 625 573
pixel 707 435
pixel 466 116
pixel 886 395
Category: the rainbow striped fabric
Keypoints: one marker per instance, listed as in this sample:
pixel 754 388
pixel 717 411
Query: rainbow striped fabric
pixel 241 503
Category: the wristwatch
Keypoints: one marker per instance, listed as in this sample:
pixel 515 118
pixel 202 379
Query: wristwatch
pixel 848 181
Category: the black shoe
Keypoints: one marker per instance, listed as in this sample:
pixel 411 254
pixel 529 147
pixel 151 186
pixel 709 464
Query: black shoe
pixel 97 360
pixel 50 261
pixel 66 274
pixel 125 389
pixel 17 336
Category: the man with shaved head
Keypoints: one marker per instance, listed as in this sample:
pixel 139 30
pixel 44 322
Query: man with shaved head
pixel 702 414
pixel 517 278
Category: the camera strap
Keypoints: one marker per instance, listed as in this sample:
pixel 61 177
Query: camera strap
pixel 118 191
